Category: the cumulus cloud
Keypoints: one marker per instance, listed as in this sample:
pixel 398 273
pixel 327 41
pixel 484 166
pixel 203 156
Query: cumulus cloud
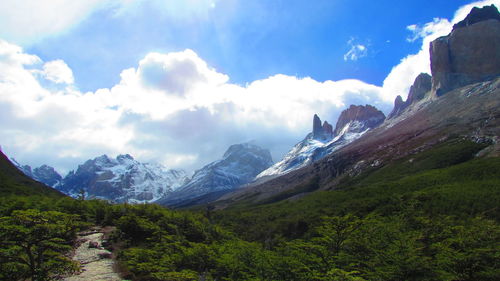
pixel 356 51
pixel 171 108
pixel 177 73
pixel 58 72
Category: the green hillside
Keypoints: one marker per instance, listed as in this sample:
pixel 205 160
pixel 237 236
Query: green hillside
pixel 14 182
pixel 429 216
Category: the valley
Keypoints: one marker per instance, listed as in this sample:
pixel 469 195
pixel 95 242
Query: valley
pixel 411 196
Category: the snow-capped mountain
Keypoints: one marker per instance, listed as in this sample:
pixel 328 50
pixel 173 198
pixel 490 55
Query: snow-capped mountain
pixel 352 124
pixel 239 165
pixel 44 174
pixel 122 180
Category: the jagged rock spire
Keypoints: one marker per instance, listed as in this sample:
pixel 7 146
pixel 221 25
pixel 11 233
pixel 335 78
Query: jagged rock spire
pixel 317 129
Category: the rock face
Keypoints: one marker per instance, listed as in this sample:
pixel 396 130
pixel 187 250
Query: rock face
pixel 317 128
pixel 47 175
pixel 469 54
pixel 478 14
pixel 352 124
pixel 368 115
pixel 399 106
pixel 44 174
pixel 239 165
pixel 421 86
pixel 122 180
pixel 321 132
pixel 327 129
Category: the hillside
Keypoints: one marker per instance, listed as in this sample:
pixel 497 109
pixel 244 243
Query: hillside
pixel 14 182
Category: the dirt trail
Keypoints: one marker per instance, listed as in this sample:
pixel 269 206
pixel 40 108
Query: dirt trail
pixel 96 263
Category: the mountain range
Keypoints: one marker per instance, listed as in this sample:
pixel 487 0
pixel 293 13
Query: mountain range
pixel 459 99
pixel 126 180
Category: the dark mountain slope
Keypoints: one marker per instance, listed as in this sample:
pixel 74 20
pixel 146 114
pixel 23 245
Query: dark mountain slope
pixel 14 182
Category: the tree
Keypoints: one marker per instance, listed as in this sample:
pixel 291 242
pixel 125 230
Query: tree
pixel 33 245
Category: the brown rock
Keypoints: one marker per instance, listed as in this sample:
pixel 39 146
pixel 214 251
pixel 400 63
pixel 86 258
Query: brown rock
pixel 399 106
pixel 317 128
pixel 367 114
pixel 469 54
pixel 479 14
pixel 327 129
pixel 421 85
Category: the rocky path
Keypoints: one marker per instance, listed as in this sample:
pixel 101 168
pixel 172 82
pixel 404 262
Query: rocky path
pixel 96 262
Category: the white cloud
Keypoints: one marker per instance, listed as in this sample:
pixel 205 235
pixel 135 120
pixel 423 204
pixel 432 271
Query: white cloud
pixel 172 108
pixel 433 29
pixel 26 21
pixel 401 77
pixel 177 73
pixel 58 72
pixel 356 51
pixel 175 109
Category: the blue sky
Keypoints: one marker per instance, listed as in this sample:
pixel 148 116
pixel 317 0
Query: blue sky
pixel 177 82
pixel 247 40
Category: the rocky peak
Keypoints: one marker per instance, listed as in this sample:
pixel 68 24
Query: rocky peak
pixel 399 106
pixel 317 128
pixel 477 15
pixel 370 116
pixel 26 169
pixel 321 132
pixel 47 175
pixel 102 160
pixel 44 174
pixel 469 54
pixel 327 128
pixel 125 159
pixel 420 87
pixel 245 152
pixel 239 165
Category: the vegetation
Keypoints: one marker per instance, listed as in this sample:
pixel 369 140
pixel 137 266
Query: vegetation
pixel 431 216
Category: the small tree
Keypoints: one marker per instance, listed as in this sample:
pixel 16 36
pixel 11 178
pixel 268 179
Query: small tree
pixel 33 245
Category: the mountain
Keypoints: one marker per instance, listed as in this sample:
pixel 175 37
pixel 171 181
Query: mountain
pixel 238 166
pixel 463 106
pixel 323 140
pixel 15 182
pixel 126 180
pixel 421 86
pixel 122 180
pixel 469 54
pixel 44 174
